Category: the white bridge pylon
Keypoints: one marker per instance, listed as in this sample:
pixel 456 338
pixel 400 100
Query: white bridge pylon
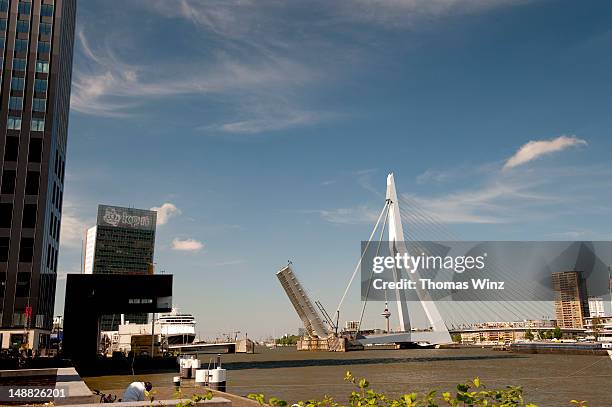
pixel 398 245
pixel 439 333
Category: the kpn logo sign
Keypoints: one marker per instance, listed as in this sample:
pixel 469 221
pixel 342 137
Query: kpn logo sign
pixel 126 217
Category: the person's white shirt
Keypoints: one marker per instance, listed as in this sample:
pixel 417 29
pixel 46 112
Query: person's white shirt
pixel 134 392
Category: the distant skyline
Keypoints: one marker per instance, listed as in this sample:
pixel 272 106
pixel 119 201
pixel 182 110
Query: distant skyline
pixel 262 131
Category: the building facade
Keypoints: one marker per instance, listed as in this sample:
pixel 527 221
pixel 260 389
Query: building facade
pixel 36 44
pixel 596 307
pixel 571 305
pixel 499 333
pixel 121 242
pixel 599 328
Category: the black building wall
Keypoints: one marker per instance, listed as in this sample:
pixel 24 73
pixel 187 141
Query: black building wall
pixel 89 296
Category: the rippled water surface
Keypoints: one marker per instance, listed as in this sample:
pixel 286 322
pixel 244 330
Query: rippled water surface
pixel 548 380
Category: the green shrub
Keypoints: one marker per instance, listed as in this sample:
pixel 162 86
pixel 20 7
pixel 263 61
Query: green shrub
pixel 473 394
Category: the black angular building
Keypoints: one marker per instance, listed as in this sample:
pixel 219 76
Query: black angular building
pixel 36 44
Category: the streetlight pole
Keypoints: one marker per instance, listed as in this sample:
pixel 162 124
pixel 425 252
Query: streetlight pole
pixel 152 271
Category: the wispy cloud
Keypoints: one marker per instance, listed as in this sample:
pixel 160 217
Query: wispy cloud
pixel 165 212
pixel 187 245
pixel 269 119
pixel 225 263
pixel 525 194
pixel 245 50
pixel 396 14
pixel 260 87
pixel 486 194
pixel 73 226
pixel 537 148
pixel 501 201
pixel 350 216
pixel 112 86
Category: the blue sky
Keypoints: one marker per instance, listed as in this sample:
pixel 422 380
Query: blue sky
pixel 265 130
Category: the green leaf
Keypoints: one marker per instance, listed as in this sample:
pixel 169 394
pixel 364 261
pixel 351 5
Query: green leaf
pixel 463 387
pixel 273 401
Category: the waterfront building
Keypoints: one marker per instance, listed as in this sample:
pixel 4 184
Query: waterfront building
pixel 351 326
pixel 36 44
pixel 596 307
pixel 571 304
pixel 599 327
pixel 505 332
pixel 121 242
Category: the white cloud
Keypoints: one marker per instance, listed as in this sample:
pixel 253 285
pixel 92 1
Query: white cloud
pixel 259 87
pixel 538 148
pixel 166 211
pixel 269 122
pixel 526 194
pixel 228 263
pixel 500 202
pixel 519 196
pixel 401 14
pixel 73 227
pixel 187 245
pixel 245 50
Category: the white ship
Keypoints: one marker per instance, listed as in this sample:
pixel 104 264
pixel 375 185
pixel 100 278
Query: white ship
pixel 176 328
pixel 172 328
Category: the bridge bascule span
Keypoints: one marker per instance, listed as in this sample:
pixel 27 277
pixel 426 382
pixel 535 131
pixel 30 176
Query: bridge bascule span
pixel 313 324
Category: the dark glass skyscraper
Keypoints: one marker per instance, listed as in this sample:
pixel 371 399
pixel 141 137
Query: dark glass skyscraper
pixel 122 242
pixel 36 40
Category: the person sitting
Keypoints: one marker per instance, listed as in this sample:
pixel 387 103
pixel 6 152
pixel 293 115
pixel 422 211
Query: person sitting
pixel 136 391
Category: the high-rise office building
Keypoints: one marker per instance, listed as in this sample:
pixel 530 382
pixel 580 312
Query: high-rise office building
pixel 36 45
pixel 571 306
pixel 121 242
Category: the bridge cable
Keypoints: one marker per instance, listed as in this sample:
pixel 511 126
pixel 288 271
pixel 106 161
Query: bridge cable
pixel 380 240
pixel 361 258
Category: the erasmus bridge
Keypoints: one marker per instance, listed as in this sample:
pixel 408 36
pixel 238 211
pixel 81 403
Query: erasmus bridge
pixel 423 226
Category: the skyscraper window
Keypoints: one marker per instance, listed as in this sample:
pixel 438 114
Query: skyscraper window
pixel 38 124
pixel 15 103
pixel 23 26
pixel 40 85
pixel 45 28
pixel 44 47
pixel 42 66
pixel 17 83
pixel 39 105
pixel 14 123
pixel 19 64
pixel 21 45
pixel 46 10
pixel 24 7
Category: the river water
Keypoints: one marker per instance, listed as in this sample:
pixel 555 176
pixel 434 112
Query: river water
pixel 548 380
